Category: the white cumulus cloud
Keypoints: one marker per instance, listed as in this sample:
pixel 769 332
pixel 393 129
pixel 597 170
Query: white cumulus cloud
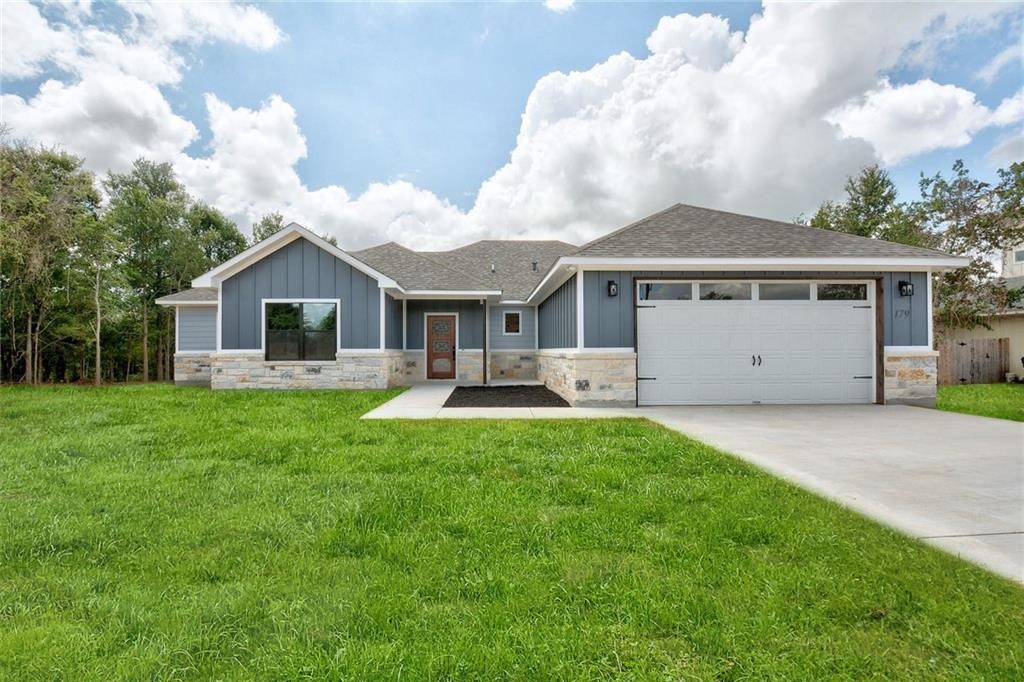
pixel 918 117
pixel 769 122
pixel 559 5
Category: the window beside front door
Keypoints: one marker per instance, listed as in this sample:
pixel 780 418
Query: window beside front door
pixel 301 331
pixel 513 321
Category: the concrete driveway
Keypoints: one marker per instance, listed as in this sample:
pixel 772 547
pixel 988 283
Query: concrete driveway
pixel 953 480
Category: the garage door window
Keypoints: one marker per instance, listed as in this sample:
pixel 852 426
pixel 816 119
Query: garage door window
pixel 842 292
pixel 784 291
pixel 666 291
pixel 725 291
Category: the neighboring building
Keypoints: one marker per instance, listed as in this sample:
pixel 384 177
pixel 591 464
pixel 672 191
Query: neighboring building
pixel 1007 324
pixel 687 306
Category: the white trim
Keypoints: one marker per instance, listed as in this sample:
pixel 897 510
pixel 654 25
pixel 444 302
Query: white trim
pixel 877 264
pixel 519 314
pixel 239 351
pixel 276 241
pixel 454 293
pixel 426 356
pixel 931 312
pixel 337 323
pixel 175 304
pixel 405 320
pixel 220 310
pixel 177 336
pixel 579 310
pixel 582 351
pixel 383 326
pixel 193 352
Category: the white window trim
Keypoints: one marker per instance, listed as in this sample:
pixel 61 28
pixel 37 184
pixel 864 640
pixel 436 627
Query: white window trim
pixel 426 355
pixel 517 313
pixel 263 324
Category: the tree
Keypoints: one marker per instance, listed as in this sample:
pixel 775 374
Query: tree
pixel 217 237
pixel 48 201
pixel 266 226
pixel 147 207
pixel 871 210
pixel 969 217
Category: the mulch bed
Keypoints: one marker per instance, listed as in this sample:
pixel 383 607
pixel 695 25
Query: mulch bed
pixel 504 396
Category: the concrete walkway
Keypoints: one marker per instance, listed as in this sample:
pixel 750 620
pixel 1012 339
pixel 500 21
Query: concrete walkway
pixel 426 401
pixel 955 481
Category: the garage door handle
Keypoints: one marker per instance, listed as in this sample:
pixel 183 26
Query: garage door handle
pixel 758 360
pixel 753 360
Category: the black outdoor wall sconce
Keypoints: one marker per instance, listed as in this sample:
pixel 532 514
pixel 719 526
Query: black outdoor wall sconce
pixel 906 289
pixel 613 288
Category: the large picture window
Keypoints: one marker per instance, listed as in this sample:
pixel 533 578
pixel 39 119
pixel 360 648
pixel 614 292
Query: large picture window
pixel 301 331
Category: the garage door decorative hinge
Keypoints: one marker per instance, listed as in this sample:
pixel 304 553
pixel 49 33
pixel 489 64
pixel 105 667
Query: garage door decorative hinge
pixel 647 306
pixel 647 378
pixel 866 377
pixel 861 306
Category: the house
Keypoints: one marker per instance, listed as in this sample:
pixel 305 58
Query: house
pixel 686 306
pixel 1005 324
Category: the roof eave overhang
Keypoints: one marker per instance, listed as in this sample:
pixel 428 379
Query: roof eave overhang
pixel 449 294
pixel 184 303
pixel 564 267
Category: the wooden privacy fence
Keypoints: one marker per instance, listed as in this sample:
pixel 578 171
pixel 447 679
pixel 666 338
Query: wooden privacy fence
pixel 975 361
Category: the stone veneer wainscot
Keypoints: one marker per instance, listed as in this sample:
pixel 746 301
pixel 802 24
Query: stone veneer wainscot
pixel 376 370
pixel 592 378
pixel 513 364
pixel 911 377
pixel 192 369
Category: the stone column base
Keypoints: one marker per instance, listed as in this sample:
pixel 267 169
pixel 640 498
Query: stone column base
pixel 911 377
pixel 589 379
pixel 373 370
pixel 513 364
pixel 469 366
pixel 192 369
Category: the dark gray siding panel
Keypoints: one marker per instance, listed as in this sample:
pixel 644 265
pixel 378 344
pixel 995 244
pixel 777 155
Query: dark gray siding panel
pixel 197 328
pixel 608 321
pixel 300 270
pixel 393 323
pixel 556 316
pixel 906 316
pixel 498 340
pixel 471 321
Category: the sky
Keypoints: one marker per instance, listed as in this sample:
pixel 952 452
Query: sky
pixel 436 124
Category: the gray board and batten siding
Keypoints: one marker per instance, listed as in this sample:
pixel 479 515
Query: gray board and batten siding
pixel 557 317
pixel 392 323
pixel 608 320
pixel 498 340
pixel 470 323
pixel 197 328
pixel 300 270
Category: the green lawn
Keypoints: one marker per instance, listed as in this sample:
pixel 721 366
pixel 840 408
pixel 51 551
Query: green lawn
pixel 153 532
pixel 1003 401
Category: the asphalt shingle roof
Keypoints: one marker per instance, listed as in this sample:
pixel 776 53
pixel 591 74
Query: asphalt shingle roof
pixel 200 294
pixel 514 272
pixel 414 270
pixel 683 231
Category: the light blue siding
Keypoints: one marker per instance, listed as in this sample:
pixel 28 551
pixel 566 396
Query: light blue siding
pixel 197 328
pixel 608 321
pixel 300 270
pixel 471 321
pixel 527 325
pixel 557 317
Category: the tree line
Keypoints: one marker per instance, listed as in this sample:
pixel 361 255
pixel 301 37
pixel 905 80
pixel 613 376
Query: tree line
pixel 959 215
pixel 83 259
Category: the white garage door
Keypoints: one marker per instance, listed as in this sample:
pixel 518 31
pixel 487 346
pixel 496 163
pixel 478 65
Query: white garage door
pixel 715 343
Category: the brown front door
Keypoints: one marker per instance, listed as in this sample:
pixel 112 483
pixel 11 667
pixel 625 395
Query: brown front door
pixel 441 346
